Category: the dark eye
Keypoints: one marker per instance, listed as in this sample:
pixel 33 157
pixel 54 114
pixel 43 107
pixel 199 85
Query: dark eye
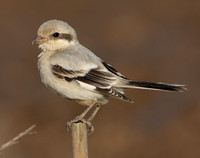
pixel 56 34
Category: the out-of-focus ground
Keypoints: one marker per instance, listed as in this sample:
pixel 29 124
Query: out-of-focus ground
pixel 145 40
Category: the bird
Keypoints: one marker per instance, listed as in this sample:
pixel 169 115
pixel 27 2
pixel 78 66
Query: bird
pixel 76 73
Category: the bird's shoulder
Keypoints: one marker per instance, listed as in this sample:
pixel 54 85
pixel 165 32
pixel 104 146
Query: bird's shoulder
pixel 75 57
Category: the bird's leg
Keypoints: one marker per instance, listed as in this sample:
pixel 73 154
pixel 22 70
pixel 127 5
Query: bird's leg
pixel 80 118
pixel 94 113
pixel 89 120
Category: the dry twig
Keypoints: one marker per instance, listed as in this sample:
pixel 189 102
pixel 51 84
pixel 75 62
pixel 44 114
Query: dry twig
pixel 15 140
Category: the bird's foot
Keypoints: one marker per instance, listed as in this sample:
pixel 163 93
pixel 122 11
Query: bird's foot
pixel 89 125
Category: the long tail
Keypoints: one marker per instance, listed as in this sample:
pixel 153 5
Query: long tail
pixel 156 86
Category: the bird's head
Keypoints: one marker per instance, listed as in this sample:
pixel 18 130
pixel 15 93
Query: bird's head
pixel 55 35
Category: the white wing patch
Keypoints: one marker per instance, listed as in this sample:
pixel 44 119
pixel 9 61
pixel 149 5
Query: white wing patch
pixel 86 86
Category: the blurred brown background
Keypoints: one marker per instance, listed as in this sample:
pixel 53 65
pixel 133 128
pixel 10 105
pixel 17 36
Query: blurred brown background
pixel 145 40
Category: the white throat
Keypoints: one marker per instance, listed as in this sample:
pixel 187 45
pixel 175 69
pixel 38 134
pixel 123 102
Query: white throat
pixel 53 45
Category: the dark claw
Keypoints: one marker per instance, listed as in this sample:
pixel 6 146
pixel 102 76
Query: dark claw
pixel 89 125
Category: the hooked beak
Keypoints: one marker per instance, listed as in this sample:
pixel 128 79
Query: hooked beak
pixel 39 40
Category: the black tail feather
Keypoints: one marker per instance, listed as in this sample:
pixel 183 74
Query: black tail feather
pixel 157 86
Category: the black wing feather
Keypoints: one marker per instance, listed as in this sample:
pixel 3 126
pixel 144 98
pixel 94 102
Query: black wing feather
pixel 100 79
pixel 113 70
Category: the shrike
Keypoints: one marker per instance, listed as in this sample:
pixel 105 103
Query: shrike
pixel 76 73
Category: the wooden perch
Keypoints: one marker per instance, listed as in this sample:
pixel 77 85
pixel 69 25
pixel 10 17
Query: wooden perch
pixel 79 140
